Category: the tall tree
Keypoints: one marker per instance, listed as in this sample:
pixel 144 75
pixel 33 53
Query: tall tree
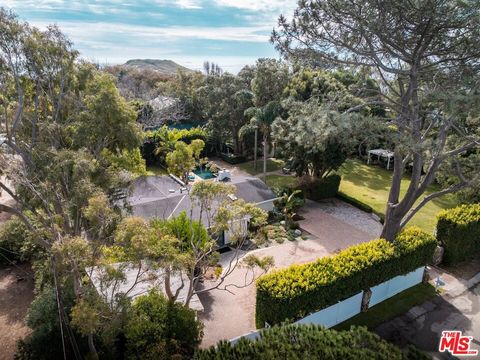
pixel 424 52
pixel 224 99
pixel 271 78
pixel 66 128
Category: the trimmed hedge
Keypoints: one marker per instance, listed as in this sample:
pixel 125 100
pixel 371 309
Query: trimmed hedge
pixel 232 158
pixel 360 205
pixel 322 188
pixel 294 292
pixel 458 231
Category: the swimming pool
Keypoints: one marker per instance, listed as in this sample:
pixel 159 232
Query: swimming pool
pixel 204 173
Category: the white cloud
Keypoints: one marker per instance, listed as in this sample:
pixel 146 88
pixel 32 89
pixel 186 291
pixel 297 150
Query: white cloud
pixel 103 31
pixel 189 4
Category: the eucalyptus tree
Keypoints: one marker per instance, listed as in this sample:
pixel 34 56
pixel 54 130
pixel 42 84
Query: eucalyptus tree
pixel 424 52
pixel 68 132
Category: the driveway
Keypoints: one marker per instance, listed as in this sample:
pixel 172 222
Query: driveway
pixel 423 325
pixel 231 312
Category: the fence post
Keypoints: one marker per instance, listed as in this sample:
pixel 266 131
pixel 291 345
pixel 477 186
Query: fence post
pixel 367 294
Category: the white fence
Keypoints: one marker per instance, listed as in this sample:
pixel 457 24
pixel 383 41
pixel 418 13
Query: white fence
pixel 396 285
pixel 335 314
pixel 350 307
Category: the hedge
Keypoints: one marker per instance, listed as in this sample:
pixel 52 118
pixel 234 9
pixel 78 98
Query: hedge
pixel 309 342
pixel 294 292
pixel 232 158
pixel 458 231
pixel 360 205
pixel 321 188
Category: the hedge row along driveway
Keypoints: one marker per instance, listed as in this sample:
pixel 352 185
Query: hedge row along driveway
pixel 294 292
pixel 458 231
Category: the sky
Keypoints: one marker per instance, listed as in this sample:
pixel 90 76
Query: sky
pixel 232 33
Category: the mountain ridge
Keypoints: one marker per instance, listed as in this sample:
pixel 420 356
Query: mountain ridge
pixel 164 66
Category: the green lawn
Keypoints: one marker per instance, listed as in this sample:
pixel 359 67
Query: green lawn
pixel 272 165
pixel 391 308
pixel 370 184
pixel 279 181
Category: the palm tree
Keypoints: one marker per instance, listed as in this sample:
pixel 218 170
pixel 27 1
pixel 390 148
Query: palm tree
pixel 261 118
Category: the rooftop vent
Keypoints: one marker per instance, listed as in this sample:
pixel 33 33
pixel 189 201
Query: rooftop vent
pixel 232 197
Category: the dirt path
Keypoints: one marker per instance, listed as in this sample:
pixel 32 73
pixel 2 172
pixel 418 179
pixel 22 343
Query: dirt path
pixel 16 295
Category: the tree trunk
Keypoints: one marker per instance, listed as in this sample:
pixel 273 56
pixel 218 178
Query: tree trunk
pixel 255 149
pixel 92 348
pixel 391 226
pixel 265 159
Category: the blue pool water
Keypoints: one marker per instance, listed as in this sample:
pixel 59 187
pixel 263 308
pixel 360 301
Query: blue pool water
pixel 204 174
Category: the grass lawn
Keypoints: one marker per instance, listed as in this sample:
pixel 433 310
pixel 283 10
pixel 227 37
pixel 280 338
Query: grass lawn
pixel 279 181
pixel 156 170
pixel 391 308
pixel 272 165
pixel 370 184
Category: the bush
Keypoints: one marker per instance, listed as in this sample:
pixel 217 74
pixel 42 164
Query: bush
pixel 15 242
pixel 232 158
pixel 360 205
pixel 458 231
pixel 294 292
pixel 160 329
pixel 45 340
pixel 320 188
pixel 306 342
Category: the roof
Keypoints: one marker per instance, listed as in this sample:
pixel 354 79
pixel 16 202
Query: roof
pixel 160 196
pixel 134 287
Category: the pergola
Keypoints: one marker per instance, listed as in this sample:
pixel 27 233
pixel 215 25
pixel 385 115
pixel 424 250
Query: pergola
pixel 381 153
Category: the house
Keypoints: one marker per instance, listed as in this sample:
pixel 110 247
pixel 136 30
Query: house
pixel 138 281
pixel 165 197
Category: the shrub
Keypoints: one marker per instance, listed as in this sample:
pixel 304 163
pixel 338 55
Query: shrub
pixel 160 329
pixel 320 188
pixel 360 205
pixel 294 292
pixel 15 242
pixel 306 342
pixel 232 158
pixel 45 340
pixel 458 231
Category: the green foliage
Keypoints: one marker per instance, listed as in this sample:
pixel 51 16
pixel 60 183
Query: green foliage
pixel 313 139
pixel 15 242
pixel 302 289
pixel 359 204
pixel 160 329
pixel 232 158
pixel 185 230
pixel 323 188
pixel 45 341
pixel 181 161
pixel 458 231
pixel 162 141
pixel 298 342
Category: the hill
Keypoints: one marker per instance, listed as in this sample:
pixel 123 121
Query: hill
pixel 168 67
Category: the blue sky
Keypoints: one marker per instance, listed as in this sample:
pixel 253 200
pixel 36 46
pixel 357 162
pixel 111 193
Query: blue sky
pixel 230 32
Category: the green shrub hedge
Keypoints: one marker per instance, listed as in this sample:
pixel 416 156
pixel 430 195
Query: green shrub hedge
pixel 360 205
pixel 319 188
pixel 294 292
pixel 232 158
pixel 458 231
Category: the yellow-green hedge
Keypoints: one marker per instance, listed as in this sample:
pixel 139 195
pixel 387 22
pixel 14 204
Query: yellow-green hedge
pixel 299 290
pixel 458 231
